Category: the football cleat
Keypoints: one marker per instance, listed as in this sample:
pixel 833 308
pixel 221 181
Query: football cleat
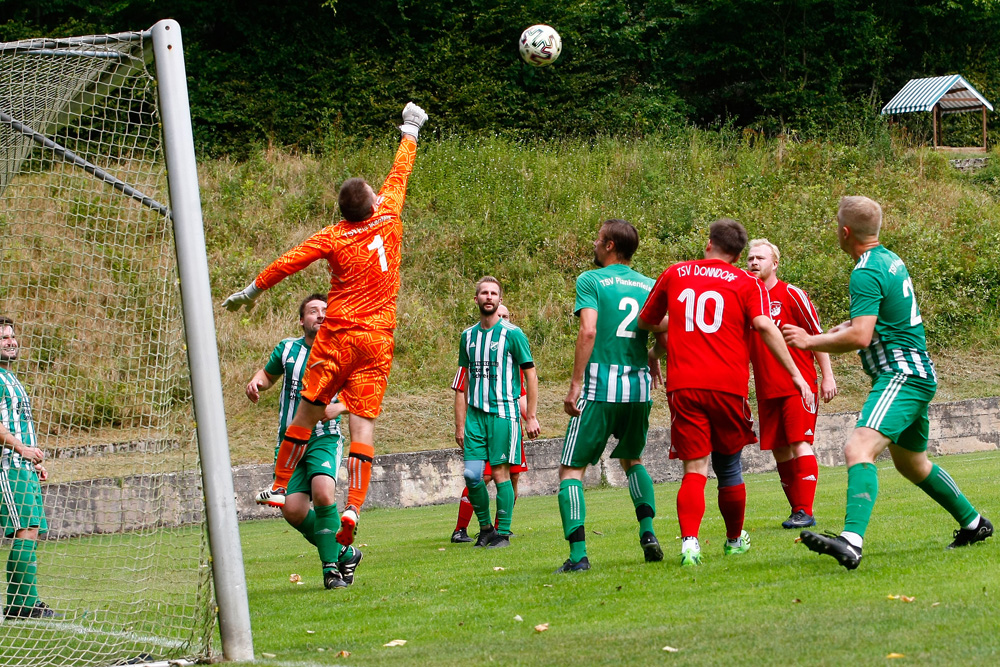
pixel 569 566
pixel 650 548
pixel 740 545
pixel 332 577
pixel 690 553
pixel 498 541
pixel 272 497
pixel 966 536
pixel 833 545
pixel 348 526
pixel 799 519
pixel 40 610
pixel 460 536
pixel 485 535
pixel 348 566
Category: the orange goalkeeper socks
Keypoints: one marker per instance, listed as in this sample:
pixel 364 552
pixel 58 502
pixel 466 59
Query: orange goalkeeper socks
pixel 292 448
pixel 359 471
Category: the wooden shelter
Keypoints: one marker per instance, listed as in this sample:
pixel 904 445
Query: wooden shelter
pixel 940 95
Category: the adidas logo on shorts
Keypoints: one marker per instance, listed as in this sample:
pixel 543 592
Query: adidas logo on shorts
pixel 809 431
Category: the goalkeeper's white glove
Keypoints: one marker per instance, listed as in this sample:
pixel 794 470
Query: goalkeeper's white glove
pixel 413 119
pixel 245 297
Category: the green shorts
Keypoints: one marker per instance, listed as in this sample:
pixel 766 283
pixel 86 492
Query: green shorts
pixel 492 438
pixel 322 457
pixel 897 408
pixel 21 501
pixel 587 434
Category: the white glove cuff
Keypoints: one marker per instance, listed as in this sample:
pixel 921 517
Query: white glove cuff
pixel 410 128
pixel 252 291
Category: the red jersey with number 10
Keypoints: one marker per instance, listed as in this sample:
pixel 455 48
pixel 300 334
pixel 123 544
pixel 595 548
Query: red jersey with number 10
pixel 364 257
pixel 789 305
pixel 711 304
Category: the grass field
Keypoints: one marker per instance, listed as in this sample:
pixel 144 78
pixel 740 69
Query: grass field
pixel 777 604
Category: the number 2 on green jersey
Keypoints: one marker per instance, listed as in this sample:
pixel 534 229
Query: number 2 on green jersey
pixel 633 311
pixel 915 317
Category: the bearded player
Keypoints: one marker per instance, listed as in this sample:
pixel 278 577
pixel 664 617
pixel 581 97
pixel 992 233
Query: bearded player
pixel 787 427
pixel 710 306
pixel 352 354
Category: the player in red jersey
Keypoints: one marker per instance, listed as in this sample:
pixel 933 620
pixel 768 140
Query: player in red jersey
pixel 460 385
pixel 786 426
pixel 707 308
pixel 352 353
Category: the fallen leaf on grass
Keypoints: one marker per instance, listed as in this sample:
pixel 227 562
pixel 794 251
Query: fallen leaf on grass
pixel 597 532
pixel 362 545
pixel 294 578
pixel 796 601
pixel 321 649
pixel 893 597
pixel 395 642
pixel 444 590
pixel 797 540
pixel 934 604
pixel 541 627
pixel 895 655
pixel 546 585
pixel 299 583
pixel 670 649
pixel 344 654
pixel 441 549
pixel 268 655
pixel 907 598
pixel 310 632
pixel 517 617
pixel 498 569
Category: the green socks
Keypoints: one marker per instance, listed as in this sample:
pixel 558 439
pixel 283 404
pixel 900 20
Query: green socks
pixel 325 534
pixel 942 488
pixel 505 506
pixel 480 499
pixel 862 490
pixel 640 487
pixel 308 527
pixel 22 581
pixel 573 512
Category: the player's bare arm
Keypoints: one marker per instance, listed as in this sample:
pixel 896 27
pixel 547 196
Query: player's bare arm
pixel 10 441
pixel 333 410
pixel 584 348
pixel 531 415
pixel 771 336
pixel 660 327
pixel 261 381
pixel 857 335
pixel 657 352
pixel 828 385
pixel 461 406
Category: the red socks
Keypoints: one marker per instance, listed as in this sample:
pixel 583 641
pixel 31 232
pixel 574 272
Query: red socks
pixel 733 505
pixel 806 474
pixel 691 503
pixel 465 510
pixel 786 472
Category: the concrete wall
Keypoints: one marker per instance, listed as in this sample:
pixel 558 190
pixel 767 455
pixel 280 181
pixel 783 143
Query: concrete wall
pixel 428 478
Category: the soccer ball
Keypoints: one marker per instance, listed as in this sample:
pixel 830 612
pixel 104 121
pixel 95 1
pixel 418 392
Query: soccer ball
pixel 540 45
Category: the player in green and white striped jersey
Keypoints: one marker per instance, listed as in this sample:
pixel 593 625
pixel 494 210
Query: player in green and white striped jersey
pixel 316 465
pixel 21 512
pixel 610 391
pixel 494 352
pixel 887 329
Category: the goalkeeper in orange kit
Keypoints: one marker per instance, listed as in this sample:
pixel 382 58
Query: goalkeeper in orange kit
pixel 352 353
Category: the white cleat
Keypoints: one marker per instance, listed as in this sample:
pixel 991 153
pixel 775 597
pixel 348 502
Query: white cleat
pixel 272 497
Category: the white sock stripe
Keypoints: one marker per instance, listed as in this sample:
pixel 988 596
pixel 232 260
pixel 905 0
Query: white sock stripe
pixel 949 481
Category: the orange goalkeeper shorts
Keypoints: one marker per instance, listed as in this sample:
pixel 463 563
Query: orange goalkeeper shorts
pixel 352 363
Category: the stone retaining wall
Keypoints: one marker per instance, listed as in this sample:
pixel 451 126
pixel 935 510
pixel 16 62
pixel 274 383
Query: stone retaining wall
pixel 428 478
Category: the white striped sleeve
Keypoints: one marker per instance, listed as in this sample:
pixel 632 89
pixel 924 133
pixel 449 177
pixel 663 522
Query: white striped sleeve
pixel 807 310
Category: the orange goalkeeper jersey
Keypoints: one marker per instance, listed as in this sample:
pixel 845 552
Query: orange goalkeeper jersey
pixel 364 257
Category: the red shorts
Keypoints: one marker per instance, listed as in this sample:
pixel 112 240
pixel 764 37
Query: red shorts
pixel 785 421
pixel 514 469
pixel 352 363
pixel 704 421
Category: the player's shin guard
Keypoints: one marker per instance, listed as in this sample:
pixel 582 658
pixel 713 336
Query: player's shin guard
pixel 359 473
pixel 806 476
pixel 787 475
pixel 325 534
pixel 465 510
pixel 691 503
pixel 573 512
pixel 22 591
pixel 942 488
pixel 862 490
pixel 480 499
pixel 290 452
pixel 733 506
pixel 505 506
pixel 640 488
pixel 308 527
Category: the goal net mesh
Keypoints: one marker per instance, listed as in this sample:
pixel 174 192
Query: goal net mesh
pixel 88 272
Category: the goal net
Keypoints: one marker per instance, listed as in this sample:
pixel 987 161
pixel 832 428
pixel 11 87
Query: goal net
pixel 89 274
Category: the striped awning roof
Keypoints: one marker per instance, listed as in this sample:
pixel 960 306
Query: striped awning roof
pixel 952 92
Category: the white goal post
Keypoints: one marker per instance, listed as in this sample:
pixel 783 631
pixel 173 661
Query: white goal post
pixel 105 273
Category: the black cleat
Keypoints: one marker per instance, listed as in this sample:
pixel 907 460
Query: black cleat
pixel 498 541
pixel 40 610
pixel 651 547
pixel 348 566
pixel 833 545
pixel 332 577
pixel 570 566
pixel 799 519
pixel 485 535
pixel 966 536
pixel 460 536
